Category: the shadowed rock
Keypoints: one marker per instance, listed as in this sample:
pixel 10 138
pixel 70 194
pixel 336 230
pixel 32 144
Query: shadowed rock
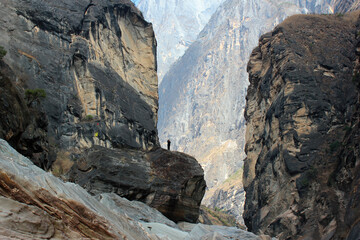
pixel 171 182
pixel 302 168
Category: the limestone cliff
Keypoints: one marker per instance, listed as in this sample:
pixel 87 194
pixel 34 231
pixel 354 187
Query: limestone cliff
pixel 301 174
pixel 96 61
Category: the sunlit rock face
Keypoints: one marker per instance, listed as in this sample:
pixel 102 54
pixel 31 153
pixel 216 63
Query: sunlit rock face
pixel 96 62
pixel 176 25
pixel 301 174
pixel 202 97
pixel 37 205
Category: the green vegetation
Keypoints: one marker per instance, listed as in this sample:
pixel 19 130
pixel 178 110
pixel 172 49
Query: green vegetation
pixel 219 217
pixel 89 118
pixel 34 95
pixel 334 146
pixel 236 176
pixel 310 175
pixel 339 14
pixel 356 78
pixel 2 52
pixel 347 128
pixel 312 172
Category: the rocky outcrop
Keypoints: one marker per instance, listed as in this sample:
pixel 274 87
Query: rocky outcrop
pixel 95 59
pixel 171 182
pixel 202 97
pixel 36 205
pixel 23 126
pixel 301 174
pixel 229 197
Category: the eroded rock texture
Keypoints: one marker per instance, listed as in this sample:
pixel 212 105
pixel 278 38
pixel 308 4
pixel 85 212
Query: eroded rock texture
pixel 96 61
pixel 23 126
pixel 301 174
pixel 37 205
pixel 171 182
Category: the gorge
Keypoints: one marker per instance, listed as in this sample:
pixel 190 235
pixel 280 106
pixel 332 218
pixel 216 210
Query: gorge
pixel 79 99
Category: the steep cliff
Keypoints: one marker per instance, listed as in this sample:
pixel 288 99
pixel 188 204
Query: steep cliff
pixel 96 61
pixel 301 174
pixel 176 25
pixel 22 125
pixel 202 97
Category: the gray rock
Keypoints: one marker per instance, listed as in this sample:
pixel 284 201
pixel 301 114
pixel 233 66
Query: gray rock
pixel 24 126
pixel 171 182
pixel 302 110
pixel 202 96
pixel 96 62
pixel 176 25
pixel 135 210
pixel 35 204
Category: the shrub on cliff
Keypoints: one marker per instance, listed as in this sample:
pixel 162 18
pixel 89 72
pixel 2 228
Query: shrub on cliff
pixel 34 95
pixel 2 52
pixel 89 118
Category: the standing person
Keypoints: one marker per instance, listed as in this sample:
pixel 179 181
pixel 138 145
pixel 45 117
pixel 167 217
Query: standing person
pixel 169 142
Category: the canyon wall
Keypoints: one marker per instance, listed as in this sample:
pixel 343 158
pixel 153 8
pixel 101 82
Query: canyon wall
pixel 202 96
pixel 97 64
pixel 301 173
pixel 94 61
pixel 176 25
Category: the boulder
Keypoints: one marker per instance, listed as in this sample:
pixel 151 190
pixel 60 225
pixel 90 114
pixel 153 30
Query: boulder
pixel 171 182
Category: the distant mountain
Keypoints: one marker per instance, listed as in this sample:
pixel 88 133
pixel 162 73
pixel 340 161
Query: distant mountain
pixel 176 25
pixel 202 97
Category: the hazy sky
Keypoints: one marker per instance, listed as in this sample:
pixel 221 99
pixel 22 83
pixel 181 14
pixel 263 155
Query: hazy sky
pixel 135 1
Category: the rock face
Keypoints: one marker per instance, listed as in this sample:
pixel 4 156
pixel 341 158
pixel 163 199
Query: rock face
pixel 171 182
pixel 23 126
pixel 301 174
pixel 176 25
pixel 96 62
pixel 202 97
pixel 36 205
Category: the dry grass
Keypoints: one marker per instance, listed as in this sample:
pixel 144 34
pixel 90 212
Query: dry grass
pixel 62 164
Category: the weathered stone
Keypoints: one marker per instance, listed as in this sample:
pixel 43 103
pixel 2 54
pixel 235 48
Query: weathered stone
pixel 37 205
pixel 202 96
pixel 171 182
pixel 23 126
pixel 302 117
pixel 96 62
pixel 135 210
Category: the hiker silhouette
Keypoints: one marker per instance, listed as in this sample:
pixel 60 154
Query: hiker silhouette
pixel 168 144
